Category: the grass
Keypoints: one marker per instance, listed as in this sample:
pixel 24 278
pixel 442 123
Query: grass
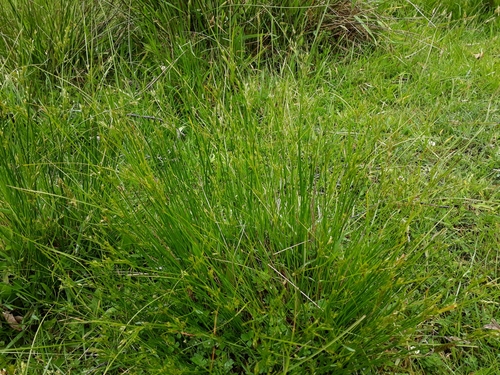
pixel 235 201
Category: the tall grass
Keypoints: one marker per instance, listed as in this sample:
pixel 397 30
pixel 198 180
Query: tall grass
pixel 251 231
pixel 85 42
pixel 183 190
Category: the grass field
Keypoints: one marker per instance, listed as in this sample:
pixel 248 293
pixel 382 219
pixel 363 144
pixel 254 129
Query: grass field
pixel 263 189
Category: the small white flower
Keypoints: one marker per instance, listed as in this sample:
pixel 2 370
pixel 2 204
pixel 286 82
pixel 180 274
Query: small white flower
pixel 414 351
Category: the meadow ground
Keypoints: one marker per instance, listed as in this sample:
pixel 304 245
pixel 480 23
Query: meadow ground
pixel 249 202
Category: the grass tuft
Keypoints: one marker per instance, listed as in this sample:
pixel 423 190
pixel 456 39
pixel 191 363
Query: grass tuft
pixel 222 189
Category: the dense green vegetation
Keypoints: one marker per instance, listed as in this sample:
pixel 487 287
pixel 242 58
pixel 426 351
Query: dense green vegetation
pixel 231 188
